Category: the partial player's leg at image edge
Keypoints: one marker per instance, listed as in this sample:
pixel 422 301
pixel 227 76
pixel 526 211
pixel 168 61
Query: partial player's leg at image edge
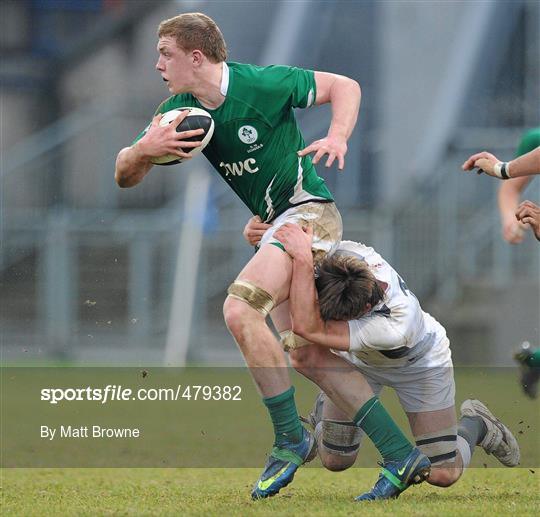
pixel 529 363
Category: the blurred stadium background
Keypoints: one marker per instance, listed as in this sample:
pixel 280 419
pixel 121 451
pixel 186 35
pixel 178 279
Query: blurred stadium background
pixel 92 274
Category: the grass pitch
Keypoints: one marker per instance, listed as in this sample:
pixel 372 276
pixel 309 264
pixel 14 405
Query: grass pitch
pixel 211 492
pixel 225 491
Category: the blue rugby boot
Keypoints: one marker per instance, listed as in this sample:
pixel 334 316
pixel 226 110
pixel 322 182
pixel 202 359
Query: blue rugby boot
pixel 282 464
pixel 397 476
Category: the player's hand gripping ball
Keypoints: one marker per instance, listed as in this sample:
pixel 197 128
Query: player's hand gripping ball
pixel 196 119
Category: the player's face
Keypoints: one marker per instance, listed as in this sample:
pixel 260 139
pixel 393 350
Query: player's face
pixel 174 65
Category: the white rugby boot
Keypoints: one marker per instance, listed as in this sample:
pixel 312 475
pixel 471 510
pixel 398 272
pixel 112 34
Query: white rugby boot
pixel 498 440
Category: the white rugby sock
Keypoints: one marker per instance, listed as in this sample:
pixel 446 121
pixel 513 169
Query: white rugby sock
pixel 464 449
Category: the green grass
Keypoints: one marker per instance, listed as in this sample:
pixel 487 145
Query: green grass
pixel 225 492
pixel 221 435
pixel 198 434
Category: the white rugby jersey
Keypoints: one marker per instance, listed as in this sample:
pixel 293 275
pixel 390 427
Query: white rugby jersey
pixel 396 331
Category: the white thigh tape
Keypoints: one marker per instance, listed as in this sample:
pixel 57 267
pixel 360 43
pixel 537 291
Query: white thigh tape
pixel 340 438
pixel 439 446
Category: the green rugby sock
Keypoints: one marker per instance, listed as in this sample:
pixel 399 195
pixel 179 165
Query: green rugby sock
pixel 387 437
pixel 282 409
pixel 534 359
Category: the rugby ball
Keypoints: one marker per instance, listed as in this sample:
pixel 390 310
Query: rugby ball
pixel 197 118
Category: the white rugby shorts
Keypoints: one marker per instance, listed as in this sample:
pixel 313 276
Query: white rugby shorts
pixel 426 384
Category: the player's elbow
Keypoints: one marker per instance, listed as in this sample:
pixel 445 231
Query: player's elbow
pixel 120 176
pixel 345 87
pixel 128 172
pixel 302 329
pixel 355 87
pixel 121 180
pixel 297 327
pixel 306 323
pixel 126 177
pixel 124 181
pixel 351 87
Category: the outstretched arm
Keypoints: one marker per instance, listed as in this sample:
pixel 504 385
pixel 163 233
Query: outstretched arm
pixel 525 165
pixel 304 306
pixel 344 95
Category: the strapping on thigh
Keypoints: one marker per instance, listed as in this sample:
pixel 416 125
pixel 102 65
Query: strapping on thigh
pixel 256 297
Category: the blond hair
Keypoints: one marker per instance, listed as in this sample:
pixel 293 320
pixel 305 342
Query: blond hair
pixel 196 31
pixel 345 286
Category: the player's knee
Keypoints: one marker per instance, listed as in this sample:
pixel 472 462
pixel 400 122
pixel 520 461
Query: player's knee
pixel 440 447
pixel 246 304
pixel 444 476
pixel 338 443
pixel 235 314
pixel 336 463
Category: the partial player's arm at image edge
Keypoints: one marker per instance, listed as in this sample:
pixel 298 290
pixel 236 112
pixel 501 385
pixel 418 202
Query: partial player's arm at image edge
pixel 529 213
pixel 509 195
pixel 510 192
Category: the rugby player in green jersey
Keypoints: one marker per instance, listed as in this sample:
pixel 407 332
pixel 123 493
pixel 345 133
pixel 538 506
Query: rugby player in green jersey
pixel 258 150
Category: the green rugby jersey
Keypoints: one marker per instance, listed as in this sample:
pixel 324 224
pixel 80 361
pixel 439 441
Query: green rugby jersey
pixel 256 137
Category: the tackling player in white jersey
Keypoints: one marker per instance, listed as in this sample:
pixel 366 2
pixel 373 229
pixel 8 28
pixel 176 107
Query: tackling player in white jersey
pixel 360 308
